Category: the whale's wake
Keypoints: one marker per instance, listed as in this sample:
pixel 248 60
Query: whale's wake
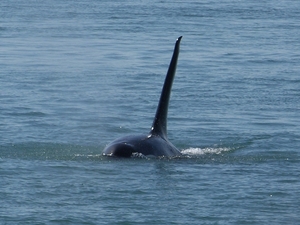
pixel 203 151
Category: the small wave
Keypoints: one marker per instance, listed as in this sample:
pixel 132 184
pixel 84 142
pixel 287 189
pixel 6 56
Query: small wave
pixel 202 151
pixel 88 156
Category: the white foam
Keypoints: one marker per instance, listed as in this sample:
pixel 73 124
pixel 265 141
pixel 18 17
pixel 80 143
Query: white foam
pixel 202 151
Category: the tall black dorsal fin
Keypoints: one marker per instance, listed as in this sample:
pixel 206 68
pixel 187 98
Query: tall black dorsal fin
pixel 159 126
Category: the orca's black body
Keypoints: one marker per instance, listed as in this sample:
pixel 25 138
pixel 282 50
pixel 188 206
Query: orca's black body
pixel 156 142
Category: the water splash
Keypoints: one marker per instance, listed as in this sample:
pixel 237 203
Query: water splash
pixel 203 151
pixel 139 155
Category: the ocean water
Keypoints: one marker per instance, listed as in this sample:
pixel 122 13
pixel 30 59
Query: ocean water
pixel 75 75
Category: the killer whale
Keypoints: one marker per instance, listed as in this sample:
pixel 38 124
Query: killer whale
pixel 156 142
